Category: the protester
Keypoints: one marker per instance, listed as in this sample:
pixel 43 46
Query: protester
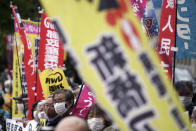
pixel 63 101
pixel 72 123
pixel 7 95
pixel 53 118
pixel 193 119
pixel 185 92
pixel 3 113
pixel 97 120
pixel 33 125
pixel 40 110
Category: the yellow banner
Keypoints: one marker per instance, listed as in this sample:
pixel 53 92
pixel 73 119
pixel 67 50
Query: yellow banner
pixel 115 60
pixel 52 81
pixel 18 72
pixel 16 87
pixel 42 122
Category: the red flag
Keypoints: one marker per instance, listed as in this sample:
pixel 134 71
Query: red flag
pixel 51 53
pixel 28 60
pixel 167 35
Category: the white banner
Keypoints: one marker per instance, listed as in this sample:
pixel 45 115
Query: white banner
pixel 12 125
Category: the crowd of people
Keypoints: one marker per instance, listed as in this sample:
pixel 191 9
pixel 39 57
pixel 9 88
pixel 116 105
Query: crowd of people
pixel 56 111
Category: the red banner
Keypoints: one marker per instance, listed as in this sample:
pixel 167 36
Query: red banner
pixel 167 35
pixel 51 53
pixel 28 60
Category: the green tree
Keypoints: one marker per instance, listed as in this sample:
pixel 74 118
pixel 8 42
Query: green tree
pixel 27 9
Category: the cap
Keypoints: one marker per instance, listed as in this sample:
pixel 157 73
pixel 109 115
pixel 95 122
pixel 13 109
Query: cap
pixel 22 97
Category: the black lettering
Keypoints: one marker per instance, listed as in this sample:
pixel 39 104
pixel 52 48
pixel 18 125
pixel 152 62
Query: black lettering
pixel 12 127
pixel 16 126
pixel 60 78
pixel 47 80
pixel 143 120
pixel 20 129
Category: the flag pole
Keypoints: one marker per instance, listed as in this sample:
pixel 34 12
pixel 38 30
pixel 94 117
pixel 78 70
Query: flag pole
pixel 174 52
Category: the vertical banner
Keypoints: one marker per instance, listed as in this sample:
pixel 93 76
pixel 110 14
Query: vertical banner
pixel 114 59
pixel 167 35
pixel 138 7
pixel 16 87
pixel 51 53
pixel 31 29
pixel 29 62
pixel 186 29
pixel 52 81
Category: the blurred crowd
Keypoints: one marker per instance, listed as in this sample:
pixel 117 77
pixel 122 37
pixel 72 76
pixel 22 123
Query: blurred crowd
pixel 55 113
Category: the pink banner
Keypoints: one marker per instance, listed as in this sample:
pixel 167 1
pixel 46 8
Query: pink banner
pixel 85 101
pixel 29 28
pixel 138 7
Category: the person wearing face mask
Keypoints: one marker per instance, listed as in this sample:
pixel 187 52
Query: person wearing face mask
pixel 34 123
pixel 40 110
pixel 63 101
pixel 7 95
pixel 97 120
pixel 53 118
pixel 185 92
pixel 193 119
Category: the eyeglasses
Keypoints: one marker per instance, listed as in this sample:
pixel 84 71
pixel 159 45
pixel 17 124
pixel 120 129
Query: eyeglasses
pixel 49 105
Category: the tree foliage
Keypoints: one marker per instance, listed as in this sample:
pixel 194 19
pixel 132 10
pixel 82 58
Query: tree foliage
pixel 27 9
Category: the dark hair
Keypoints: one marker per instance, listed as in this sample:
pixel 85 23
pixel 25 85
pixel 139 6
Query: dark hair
pixel 33 108
pixel 1 100
pixel 184 88
pixel 69 96
pixel 97 111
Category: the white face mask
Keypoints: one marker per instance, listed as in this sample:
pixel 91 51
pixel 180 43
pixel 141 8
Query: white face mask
pixel 60 108
pixel 7 90
pixel 20 107
pixel 194 126
pixel 42 115
pixel 35 114
pixel 75 101
pixel 95 124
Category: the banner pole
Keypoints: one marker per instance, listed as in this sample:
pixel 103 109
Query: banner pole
pixel 37 52
pixel 174 52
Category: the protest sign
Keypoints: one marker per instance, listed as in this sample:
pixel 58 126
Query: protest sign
pixel 12 125
pixel 52 81
pixel 167 36
pixel 138 7
pixel 51 53
pixel 186 30
pixel 29 60
pixel 114 59
pixel 85 101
